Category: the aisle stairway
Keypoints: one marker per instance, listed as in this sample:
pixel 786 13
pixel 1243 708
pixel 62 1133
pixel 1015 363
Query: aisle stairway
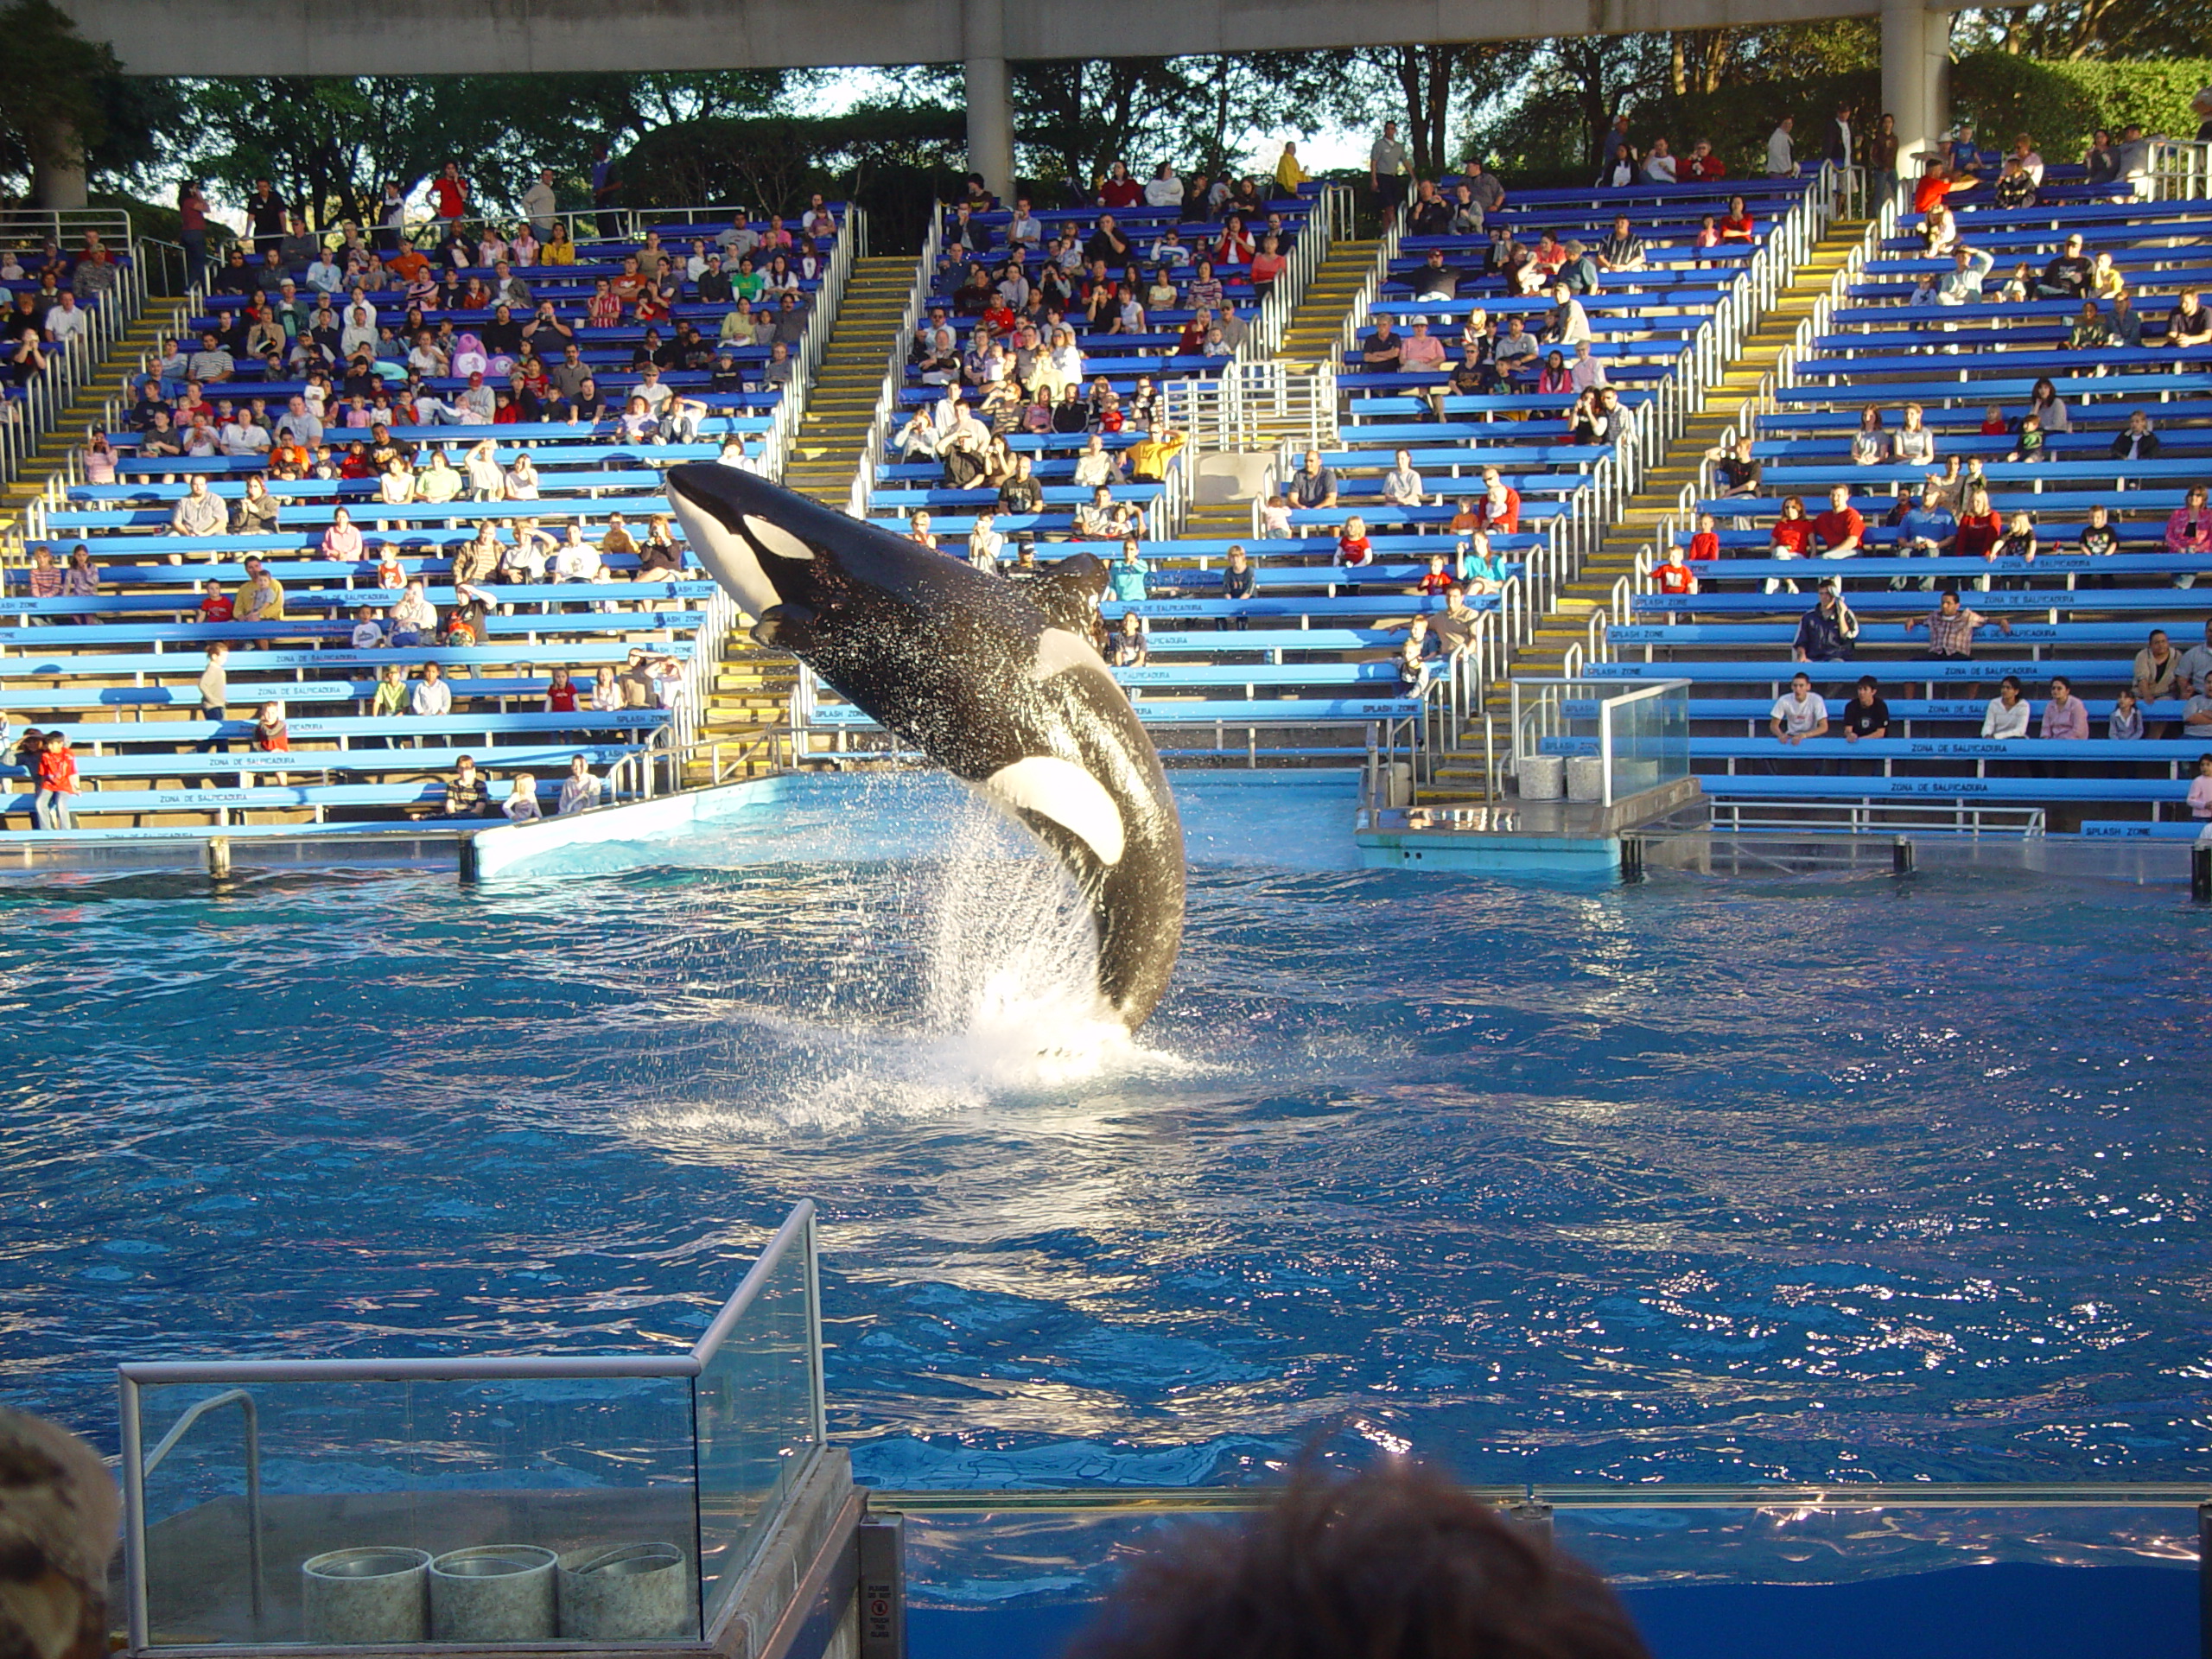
pixel 1460 776
pixel 1317 321
pixel 112 379
pixel 751 697
pixel 825 454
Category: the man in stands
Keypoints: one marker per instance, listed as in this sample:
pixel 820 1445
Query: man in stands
pixel 266 213
pixel 1386 170
pixel 1313 485
pixel 1951 628
pixel 1797 714
pixel 198 513
pixel 1842 528
pixel 1432 215
pixel 1866 716
pixel 1623 250
pixel 1483 186
pixel 2067 277
pixel 1828 632
pixel 1151 455
pixel 1384 351
pixel 2196 665
pixel 1780 162
pixel 1701 166
pixel 1927 529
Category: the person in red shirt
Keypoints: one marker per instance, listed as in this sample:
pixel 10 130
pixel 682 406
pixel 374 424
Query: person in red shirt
pixel 1706 544
pixel 1980 529
pixel 1436 578
pixel 1702 166
pixel 1120 190
pixel 1671 575
pixel 1354 550
pixel 1791 538
pixel 449 193
pixel 1993 423
pixel 215 605
pixel 560 695
pixel 57 786
pixel 270 734
pixel 1736 223
pixel 1842 528
pixel 1498 508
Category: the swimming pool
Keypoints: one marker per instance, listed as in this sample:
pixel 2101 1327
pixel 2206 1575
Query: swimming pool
pixel 1818 1179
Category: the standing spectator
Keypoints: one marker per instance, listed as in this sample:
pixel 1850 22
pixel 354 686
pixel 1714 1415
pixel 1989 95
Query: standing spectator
pixel 539 202
pixel 1882 156
pixel 449 198
pixel 1842 144
pixel 51 806
pixel 215 699
pixel 1781 161
pixel 2200 789
pixel 191 220
pixel 1386 171
pixel 266 213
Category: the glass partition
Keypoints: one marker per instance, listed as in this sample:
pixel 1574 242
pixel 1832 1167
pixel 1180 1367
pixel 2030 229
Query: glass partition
pixel 760 1412
pixel 378 1500
pixel 612 1500
pixel 1615 738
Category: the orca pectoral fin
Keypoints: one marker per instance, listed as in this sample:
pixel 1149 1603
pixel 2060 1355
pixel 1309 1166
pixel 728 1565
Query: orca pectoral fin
pixel 785 627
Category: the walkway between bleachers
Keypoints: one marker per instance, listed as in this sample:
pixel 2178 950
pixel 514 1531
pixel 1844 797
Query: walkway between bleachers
pixel 111 380
pixel 869 330
pixel 1318 322
pixel 1461 776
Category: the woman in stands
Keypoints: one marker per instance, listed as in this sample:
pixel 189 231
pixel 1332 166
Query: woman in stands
pixel 1233 247
pixel 256 511
pixel 342 542
pixel 1736 224
pixel 1204 292
pixel 1870 445
pixel 396 487
pixel 1582 421
pixel 2101 160
pixel 1980 528
pixel 1791 538
pixel 2047 406
pixel 1267 265
pixel 2190 323
pixel 2008 711
pixel 1913 444
pixel 1555 378
pixel 1940 232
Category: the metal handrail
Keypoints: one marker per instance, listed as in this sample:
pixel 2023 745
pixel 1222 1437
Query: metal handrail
pixel 191 1414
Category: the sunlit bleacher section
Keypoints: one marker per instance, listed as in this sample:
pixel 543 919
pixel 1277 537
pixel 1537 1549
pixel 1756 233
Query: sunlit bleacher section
pixel 1313 661
pixel 439 551
pixel 1999 437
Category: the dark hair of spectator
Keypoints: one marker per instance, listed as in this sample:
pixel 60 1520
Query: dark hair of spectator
pixel 1396 1562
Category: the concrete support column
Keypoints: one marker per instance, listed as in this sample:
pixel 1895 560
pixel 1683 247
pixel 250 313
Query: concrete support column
pixel 58 170
pixel 1915 77
pixel 990 111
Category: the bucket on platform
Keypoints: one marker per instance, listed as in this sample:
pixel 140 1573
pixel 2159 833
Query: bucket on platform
pixel 639 1593
pixel 493 1592
pixel 1585 778
pixel 1542 776
pixel 1399 784
pixel 365 1595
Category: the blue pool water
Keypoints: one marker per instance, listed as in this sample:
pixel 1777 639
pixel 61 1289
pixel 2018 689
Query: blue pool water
pixel 1806 1178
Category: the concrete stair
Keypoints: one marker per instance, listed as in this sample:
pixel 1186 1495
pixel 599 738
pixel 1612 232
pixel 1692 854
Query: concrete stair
pixel 112 379
pixel 826 452
pixel 1460 776
pixel 750 697
pixel 1318 320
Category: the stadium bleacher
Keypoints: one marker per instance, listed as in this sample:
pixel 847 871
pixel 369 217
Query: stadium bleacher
pixel 2076 532
pixel 566 563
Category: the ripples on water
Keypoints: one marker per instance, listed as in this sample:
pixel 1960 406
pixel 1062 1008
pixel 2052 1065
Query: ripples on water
pixel 1800 1179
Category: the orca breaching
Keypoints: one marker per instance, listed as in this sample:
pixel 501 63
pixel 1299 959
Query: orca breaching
pixel 996 682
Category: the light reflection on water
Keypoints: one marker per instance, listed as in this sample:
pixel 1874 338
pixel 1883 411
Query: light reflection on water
pixel 1807 1181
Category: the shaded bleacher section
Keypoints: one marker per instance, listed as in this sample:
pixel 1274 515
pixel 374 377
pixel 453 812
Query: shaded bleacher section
pixel 90 254
pixel 2116 554
pixel 112 658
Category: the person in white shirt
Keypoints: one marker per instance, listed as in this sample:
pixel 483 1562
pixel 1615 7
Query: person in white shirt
pixel 1659 165
pixel 1024 229
pixel 1798 714
pixel 540 203
pixel 1585 372
pixel 360 334
pixel 244 435
pixel 323 276
pixel 579 790
pixel 578 560
pixel 1163 188
pixel 368 633
pixel 414 618
pixel 67 319
pixel 431 695
pixel 1780 163
pixel 296 425
pixel 2008 715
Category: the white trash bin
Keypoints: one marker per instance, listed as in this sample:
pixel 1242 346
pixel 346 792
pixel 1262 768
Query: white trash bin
pixel 352 1598
pixel 1542 776
pixel 639 1593
pixel 1585 778
pixel 493 1592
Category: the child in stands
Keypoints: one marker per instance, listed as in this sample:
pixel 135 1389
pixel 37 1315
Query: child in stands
pixel 521 804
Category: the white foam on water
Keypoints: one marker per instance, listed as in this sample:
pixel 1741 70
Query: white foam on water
pixel 995 1000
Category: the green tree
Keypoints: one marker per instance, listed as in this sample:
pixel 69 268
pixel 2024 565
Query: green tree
pixel 52 110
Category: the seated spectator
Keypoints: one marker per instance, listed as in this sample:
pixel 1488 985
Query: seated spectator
pixel 1866 716
pixel 1829 632
pixel 2008 711
pixel 1842 528
pixel 2190 531
pixel 1312 486
pixel 1129 644
pixel 1659 165
pixel 2190 323
pixel 1870 445
pixel 260 598
pixel 2067 276
pixel 1951 628
pixel 1401 485
pixel 1623 250
pixel 521 804
pixel 1797 714
pixel 271 736
pixel 2126 725
pixel 1499 507
pixel 2064 716
pixel 466 795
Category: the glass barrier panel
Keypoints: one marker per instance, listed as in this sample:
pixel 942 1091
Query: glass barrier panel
pixel 368 1488
pixel 756 1421
pixel 1650 741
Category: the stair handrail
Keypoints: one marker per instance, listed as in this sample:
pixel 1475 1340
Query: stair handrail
pixel 790 407
pixel 1307 250
pixel 894 375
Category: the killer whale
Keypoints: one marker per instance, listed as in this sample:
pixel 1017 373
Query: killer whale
pixel 966 668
